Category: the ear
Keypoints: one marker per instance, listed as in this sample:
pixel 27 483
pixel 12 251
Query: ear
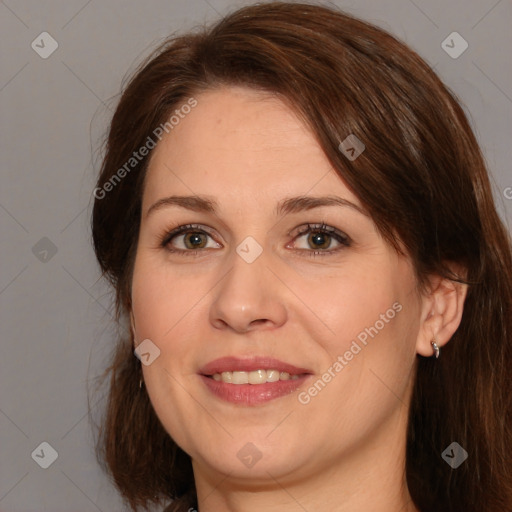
pixel 442 307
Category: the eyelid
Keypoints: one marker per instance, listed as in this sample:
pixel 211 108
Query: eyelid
pixel 170 233
pixel 321 227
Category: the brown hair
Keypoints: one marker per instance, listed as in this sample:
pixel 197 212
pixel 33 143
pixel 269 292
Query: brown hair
pixel 423 179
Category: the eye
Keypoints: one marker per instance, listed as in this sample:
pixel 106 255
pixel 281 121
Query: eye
pixel 191 239
pixel 320 238
pixel 188 239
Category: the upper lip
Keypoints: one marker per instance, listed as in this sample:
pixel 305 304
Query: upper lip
pixel 236 364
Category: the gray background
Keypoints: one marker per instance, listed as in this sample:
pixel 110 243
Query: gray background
pixel 56 322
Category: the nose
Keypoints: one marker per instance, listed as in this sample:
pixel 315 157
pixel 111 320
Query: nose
pixel 248 297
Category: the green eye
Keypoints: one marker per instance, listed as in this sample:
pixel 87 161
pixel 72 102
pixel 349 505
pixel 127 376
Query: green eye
pixel 320 238
pixel 193 238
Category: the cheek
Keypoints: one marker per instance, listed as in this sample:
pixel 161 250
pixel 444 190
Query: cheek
pixel 371 323
pixel 162 314
pixel 168 308
pixel 353 301
pixel 159 299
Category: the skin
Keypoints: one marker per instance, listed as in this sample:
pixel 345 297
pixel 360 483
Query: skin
pixel 345 449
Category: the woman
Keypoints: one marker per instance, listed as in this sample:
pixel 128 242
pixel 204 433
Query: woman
pixel 298 223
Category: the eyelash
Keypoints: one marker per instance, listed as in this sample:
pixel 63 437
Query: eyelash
pixel 323 228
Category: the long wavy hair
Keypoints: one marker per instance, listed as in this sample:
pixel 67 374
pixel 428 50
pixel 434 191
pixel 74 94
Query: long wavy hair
pixel 423 179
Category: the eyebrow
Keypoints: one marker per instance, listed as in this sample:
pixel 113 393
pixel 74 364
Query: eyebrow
pixel 290 205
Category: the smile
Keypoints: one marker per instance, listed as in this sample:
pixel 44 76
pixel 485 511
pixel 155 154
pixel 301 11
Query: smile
pixel 254 377
pixel 252 381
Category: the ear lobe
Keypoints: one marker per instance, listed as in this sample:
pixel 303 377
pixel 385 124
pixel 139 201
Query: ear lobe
pixel 443 305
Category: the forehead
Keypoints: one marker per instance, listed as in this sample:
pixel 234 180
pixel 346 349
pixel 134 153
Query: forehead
pixel 243 143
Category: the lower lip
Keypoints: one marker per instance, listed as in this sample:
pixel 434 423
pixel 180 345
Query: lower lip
pixel 252 394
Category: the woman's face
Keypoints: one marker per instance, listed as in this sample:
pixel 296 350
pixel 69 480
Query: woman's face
pixel 269 276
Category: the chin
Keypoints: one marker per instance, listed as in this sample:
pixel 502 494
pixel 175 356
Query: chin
pixel 256 460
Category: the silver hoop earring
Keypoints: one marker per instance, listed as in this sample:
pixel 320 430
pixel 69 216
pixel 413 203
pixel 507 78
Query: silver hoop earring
pixel 436 348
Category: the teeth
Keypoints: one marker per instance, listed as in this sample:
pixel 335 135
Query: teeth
pixel 226 377
pixel 257 377
pixel 272 375
pixel 239 378
pixel 254 377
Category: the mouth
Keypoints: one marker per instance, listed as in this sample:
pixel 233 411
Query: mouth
pixel 252 381
pixel 254 377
